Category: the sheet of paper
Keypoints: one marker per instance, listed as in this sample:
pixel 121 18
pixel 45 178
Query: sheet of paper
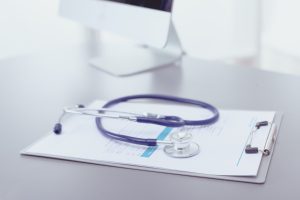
pixel 222 144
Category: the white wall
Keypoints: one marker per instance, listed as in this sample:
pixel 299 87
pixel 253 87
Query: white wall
pixel 217 29
pixel 282 26
pixel 32 25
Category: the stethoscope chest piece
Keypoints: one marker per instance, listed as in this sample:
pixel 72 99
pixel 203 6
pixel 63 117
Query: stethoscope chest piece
pixel 181 146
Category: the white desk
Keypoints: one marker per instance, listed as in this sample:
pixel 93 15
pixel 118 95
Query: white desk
pixel 35 88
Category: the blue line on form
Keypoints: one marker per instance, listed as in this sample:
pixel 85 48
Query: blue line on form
pixel 163 135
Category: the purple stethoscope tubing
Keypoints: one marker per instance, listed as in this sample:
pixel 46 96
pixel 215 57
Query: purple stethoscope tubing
pixel 168 121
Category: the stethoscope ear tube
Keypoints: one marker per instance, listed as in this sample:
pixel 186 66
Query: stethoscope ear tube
pixel 170 121
pixel 57 129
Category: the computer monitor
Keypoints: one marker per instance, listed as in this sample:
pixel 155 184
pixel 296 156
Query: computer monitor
pixel 146 22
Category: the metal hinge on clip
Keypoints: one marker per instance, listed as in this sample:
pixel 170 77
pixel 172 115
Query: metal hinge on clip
pixel 249 149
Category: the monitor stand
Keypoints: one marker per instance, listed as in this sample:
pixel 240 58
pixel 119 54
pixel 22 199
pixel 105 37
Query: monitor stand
pixel 126 60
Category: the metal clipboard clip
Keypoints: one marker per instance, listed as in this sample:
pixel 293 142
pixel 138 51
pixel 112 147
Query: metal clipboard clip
pixel 270 140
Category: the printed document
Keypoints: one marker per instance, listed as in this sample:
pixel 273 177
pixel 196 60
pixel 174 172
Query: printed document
pixel 222 145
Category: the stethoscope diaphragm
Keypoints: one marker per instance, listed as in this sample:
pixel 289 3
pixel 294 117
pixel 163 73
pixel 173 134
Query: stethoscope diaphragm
pixel 182 146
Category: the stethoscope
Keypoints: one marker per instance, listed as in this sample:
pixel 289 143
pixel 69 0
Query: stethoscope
pixel 179 145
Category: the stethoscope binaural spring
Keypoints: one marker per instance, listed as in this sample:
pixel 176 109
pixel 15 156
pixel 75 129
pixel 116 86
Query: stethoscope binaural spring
pixel 180 144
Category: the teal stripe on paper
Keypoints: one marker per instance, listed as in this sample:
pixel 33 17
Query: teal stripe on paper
pixel 162 136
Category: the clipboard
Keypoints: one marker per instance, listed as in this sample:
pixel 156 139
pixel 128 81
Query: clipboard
pixel 260 178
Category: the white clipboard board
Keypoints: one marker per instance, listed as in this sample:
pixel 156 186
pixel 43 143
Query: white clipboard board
pixel 259 178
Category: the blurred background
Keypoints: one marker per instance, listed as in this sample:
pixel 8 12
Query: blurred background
pixel 251 33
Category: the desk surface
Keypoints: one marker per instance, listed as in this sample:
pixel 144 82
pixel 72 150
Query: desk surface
pixel 35 88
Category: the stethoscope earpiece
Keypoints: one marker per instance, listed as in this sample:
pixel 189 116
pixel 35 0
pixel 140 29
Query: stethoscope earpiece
pixel 57 128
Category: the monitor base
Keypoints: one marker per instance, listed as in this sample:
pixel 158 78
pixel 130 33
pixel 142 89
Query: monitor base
pixel 126 60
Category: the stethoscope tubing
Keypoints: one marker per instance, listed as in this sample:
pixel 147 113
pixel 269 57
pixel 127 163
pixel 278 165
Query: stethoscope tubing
pixel 151 141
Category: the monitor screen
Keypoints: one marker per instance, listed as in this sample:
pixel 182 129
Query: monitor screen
pixel 164 5
pixel 145 22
